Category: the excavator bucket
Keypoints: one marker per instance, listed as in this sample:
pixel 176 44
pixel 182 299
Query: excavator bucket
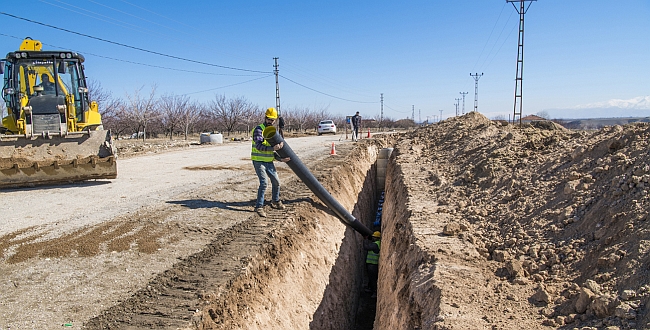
pixel 54 159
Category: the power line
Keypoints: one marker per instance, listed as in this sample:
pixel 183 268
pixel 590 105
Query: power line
pixel 97 16
pixel 394 109
pixel 138 17
pixel 137 63
pixel 129 46
pixel 317 91
pixel 179 58
pixel 495 43
pixel 138 28
pixel 490 36
pixel 240 83
pixel 296 70
pixel 155 13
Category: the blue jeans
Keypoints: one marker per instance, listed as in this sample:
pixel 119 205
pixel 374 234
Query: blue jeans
pixel 262 169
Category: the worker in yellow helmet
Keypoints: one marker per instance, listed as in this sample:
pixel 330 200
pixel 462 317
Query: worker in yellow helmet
pixel 263 155
pixel 373 246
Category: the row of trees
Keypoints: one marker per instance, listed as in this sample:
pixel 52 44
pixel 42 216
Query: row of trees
pixel 146 114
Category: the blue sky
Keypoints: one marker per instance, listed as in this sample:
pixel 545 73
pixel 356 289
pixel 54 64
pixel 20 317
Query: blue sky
pixel 582 58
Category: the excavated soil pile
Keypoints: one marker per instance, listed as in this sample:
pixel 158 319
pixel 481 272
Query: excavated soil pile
pixel 492 226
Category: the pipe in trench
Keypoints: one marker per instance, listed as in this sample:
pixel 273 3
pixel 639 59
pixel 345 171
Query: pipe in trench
pixel 316 187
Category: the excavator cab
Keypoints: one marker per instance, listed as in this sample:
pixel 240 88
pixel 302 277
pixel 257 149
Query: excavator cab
pixel 50 124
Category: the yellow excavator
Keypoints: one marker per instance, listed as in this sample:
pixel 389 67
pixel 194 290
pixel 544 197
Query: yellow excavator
pixel 51 133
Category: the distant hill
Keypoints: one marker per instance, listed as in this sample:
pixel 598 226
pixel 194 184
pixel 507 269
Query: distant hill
pixel 596 123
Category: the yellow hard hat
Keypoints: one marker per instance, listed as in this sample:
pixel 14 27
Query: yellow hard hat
pixel 271 113
pixel 376 234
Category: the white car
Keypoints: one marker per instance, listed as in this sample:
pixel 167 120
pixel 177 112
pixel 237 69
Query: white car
pixel 326 126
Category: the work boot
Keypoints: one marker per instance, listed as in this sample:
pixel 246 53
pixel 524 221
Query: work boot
pixel 277 205
pixel 260 212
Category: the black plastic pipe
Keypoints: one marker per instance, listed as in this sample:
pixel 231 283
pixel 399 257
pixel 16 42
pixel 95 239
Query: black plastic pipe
pixel 316 187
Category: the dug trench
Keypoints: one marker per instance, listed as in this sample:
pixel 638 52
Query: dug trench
pixel 484 226
pixel 296 269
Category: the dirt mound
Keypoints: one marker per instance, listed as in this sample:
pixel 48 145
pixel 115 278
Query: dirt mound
pixel 559 219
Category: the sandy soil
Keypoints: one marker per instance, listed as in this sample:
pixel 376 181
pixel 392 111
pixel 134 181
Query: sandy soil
pixel 502 227
pixel 70 252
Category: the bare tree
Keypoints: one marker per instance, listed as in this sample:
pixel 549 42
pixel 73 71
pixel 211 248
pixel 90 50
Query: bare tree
pixel 250 118
pixel 190 115
pixel 230 112
pixel 115 118
pixel 301 116
pixel 544 114
pixel 318 115
pixel 98 94
pixel 172 108
pixel 142 110
pixel 108 107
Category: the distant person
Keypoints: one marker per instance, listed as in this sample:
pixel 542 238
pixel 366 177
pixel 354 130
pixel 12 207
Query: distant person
pixel 263 154
pixel 356 124
pixel 373 246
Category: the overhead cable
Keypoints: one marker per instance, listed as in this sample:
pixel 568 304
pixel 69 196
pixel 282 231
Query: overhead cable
pixel 243 82
pixel 129 46
pixel 138 63
pixel 336 97
pixel 396 110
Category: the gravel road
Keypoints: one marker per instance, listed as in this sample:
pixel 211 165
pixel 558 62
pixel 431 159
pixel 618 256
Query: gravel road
pixel 142 182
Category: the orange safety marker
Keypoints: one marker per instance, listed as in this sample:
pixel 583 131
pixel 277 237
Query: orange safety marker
pixel 333 151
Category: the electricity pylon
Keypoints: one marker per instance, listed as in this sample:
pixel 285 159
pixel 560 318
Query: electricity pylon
pixel 463 94
pixel 476 77
pixel 519 80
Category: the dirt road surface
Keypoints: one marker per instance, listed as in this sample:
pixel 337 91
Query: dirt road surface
pixel 68 252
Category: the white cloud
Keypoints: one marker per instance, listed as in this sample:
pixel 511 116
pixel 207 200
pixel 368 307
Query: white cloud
pixel 637 103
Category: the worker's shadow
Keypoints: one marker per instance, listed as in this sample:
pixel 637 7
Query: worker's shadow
pixel 232 206
pixel 206 204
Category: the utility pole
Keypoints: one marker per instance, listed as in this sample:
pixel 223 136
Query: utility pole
pixel 440 118
pixel 381 116
pixel 476 77
pixel 519 80
pixel 463 94
pixel 456 105
pixel 413 113
pixel 420 115
pixel 277 86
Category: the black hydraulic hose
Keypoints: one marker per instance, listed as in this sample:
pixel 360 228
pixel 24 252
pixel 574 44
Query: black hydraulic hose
pixel 316 187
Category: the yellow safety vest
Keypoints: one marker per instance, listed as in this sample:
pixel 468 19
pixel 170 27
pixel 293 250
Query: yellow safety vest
pixel 261 156
pixel 373 258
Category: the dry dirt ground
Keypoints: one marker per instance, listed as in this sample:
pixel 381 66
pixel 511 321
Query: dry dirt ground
pixel 516 228
pixel 484 226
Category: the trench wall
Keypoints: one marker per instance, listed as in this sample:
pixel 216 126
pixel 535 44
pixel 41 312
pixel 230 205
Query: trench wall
pixel 408 296
pixel 356 192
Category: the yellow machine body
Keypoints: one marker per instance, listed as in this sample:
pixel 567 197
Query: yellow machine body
pixel 51 132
